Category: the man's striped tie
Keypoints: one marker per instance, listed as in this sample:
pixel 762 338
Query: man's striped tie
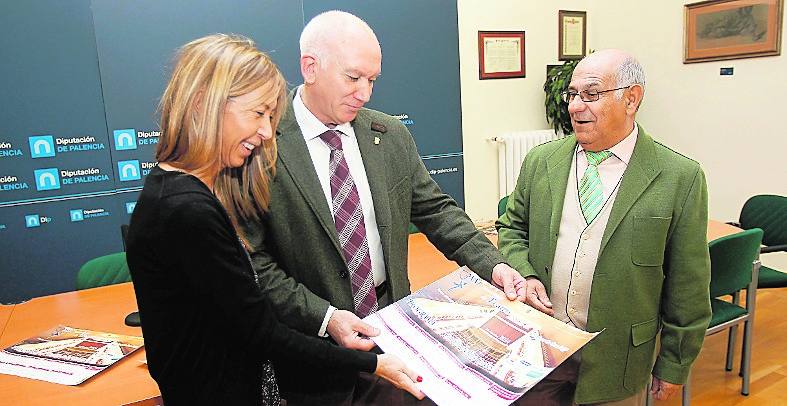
pixel 591 196
pixel 348 216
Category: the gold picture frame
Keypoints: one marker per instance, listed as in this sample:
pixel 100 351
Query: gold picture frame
pixel 732 29
pixel 572 34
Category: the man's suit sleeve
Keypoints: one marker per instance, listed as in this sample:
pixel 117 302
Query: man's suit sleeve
pixel 686 308
pixel 513 226
pixel 296 305
pixel 444 223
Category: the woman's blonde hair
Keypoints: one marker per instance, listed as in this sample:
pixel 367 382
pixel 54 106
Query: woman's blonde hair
pixel 208 72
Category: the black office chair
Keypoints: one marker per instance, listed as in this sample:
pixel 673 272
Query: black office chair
pixel 133 318
pixel 124 234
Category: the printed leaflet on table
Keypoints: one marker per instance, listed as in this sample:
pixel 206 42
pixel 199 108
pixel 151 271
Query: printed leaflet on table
pixel 66 355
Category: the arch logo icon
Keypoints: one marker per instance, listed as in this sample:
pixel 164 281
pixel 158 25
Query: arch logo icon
pixel 41 146
pixel 31 220
pixel 129 170
pixel 76 215
pixel 125 139
pixel 47 179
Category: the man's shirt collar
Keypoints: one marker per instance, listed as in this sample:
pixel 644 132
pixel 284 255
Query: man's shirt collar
pixel 311 127
pixel 623 149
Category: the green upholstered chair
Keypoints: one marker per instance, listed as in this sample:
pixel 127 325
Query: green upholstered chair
pixel 501 206
pixel 105 270
pixel 768 212
pixel 734 268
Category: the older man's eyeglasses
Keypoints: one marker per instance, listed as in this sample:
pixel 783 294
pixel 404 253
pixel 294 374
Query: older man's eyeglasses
pixel 587 96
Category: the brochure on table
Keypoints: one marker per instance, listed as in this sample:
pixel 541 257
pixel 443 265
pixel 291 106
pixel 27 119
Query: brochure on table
pixel 66 355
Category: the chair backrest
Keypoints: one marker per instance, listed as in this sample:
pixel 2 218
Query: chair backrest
pixel 768 212
pixel 731 259
pixel 124 234
pixel 501 206
pixel 105 270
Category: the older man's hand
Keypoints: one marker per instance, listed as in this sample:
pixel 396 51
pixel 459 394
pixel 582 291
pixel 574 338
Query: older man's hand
pixel 536 295
pixel 351 332
pixel 510 280
pixel 663 390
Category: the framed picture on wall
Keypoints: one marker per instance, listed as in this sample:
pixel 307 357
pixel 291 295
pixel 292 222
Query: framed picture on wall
pixel 572 34
pixel 501 54
pixel 732 29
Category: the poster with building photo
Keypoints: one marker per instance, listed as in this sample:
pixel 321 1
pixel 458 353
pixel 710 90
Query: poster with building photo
pixel 471 344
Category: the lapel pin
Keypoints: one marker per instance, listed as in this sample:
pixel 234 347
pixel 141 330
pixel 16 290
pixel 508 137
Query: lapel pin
pixel 376 140
pixel 379 128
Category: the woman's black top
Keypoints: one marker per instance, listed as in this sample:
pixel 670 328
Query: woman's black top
pixel 208 329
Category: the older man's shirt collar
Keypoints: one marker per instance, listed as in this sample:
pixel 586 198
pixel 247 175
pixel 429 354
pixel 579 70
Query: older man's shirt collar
pixel 623 149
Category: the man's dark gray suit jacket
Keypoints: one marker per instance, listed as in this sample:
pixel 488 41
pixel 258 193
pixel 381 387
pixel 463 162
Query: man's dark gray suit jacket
pixel 296 249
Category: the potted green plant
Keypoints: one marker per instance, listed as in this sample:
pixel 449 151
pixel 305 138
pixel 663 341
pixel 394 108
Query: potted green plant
pixel 557 81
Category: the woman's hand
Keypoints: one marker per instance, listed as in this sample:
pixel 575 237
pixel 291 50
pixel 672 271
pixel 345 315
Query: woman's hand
pixel 393 370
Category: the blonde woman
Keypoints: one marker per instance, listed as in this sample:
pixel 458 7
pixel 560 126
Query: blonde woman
pixel 209 332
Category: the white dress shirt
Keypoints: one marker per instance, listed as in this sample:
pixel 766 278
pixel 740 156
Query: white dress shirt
pixel 320 153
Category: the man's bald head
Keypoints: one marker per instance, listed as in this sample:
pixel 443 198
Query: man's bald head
pixel 333 30
pixel 619 64
pixel 340 60
pixel 601 120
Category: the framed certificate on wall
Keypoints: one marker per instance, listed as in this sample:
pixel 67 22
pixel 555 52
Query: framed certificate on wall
pixel 572 34
pixel 501 54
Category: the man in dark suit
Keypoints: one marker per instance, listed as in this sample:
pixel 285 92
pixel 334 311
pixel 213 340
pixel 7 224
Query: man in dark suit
pixel 349 180
pixel 609 228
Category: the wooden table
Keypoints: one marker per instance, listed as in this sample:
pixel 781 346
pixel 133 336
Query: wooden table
pixel 102 309
pixel 5 314
pixel 717 229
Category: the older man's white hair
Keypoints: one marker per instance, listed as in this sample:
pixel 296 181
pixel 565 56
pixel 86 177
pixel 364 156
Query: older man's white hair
pixel 629 73
pixel 329 28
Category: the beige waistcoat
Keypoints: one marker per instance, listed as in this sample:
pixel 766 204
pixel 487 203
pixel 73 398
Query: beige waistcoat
pixel 576 255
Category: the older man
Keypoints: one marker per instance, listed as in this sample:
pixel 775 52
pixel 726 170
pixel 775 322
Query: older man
pixel 349 180
pixel 608 226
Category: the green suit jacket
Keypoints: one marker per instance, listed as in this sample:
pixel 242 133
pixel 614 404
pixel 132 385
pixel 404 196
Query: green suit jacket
pixel 297 253
pixel 653 269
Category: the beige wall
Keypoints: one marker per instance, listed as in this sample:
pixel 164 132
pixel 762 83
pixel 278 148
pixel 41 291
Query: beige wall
pixel 732 125
pixel 492 107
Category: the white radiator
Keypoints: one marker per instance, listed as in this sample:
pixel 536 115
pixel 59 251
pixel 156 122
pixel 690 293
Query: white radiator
pixel 511 153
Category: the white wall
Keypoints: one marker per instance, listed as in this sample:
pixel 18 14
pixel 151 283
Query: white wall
pixel 732 125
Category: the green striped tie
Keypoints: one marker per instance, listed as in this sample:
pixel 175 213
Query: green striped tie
pixel 591 198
